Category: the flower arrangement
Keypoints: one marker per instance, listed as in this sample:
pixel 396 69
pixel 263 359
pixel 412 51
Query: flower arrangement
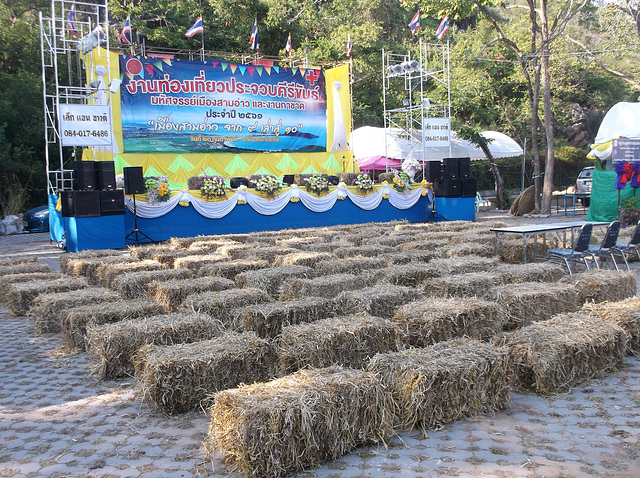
pixel 630 211
pixel 268 185
pixel 409 164
pixel 157 189
pixel 364 183
pixel 212 187
pixel 317 184
pixel 398 183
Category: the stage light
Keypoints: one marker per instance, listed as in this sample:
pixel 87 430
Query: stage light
pixel 95 84
pixel 92 40
pixel 415 65
pixel 398 70
pixel 406 66
pixel 390 71
pixel 114 87
pixel 405 102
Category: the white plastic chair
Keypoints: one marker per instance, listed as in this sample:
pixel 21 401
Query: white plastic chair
pixel 481 203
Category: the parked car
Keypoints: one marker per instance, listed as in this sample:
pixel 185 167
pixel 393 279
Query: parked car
pixel 584 183
pixel 36 219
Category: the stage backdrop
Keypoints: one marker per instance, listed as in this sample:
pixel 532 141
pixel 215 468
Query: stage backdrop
pixel 181 118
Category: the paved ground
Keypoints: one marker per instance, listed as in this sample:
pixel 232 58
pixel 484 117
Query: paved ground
pixel 56 421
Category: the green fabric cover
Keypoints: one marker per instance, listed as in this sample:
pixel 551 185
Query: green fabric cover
pixel 604 196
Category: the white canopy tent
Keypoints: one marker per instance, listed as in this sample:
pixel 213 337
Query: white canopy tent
pixel 621 121
pixel 369 141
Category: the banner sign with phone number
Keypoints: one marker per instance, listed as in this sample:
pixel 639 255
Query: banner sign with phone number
pixel 171 105
pixel 84 125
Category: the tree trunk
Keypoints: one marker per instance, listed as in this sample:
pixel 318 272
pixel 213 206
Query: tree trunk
pixel 498 180
pixel 547 191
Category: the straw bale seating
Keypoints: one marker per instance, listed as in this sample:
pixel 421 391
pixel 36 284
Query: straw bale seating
pixel 325 247
pixel 625 314
pixel 299 242
pixel 149 251
pixel 510 250
pixel 179 378
pixel 171 293
pixel 234 251
pixel 111 346
pixel 169 257
pixel 268 319
pixel 271 279
pixel 528 302
pixel 328 286
pixel 196 262
pixel 7 280
pixel 18 260
pixel 303 258
pixel 530 272
pixel 76 320
pixel 444 382
pixel 88 267
pixel 351 265
pixel 48 308
pixel 107 272
pixel 603 285
pixel 24 268
pixel 463 264
pixel 466 249
pixel 67 261
pixel 563 352
pixel 274 429
pixel 381 300
pixel 366 251
pixel 221 304
pixel 211 244
pixel 432 320
pixel 347 341
pixel 269 253
pixel 132 285
pixel 413 274
pixel 473 284
pixel 230 269
pixel 20 296
pixel 389 241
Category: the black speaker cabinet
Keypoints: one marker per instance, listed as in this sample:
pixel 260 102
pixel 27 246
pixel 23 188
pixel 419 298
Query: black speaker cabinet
pixel 464 168
pixel 448 188
pixel 469 187
pixel 237 182
pixel 333 180
pixel 450 168
pixel 433 171
pixel 111 202
pixel 133 180
pixel 288 179
pixel 84 175
pixel 106 174
pixel 80 203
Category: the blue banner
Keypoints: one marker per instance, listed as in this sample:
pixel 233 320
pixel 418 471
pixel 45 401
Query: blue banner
pixel 171 105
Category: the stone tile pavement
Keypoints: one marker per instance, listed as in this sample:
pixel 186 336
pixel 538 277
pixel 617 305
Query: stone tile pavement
pixel 58 421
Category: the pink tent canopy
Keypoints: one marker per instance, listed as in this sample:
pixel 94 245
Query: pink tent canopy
pixel 378 163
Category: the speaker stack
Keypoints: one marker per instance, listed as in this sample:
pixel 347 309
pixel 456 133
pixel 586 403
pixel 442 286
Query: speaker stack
pixel 456 179
pixel 94 191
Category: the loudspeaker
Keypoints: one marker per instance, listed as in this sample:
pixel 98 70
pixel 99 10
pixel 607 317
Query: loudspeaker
pixel 106 174
pixel 333 180
pixel 237 182
pixel 450 168
pixel 289 179
pixel 448 188
pixel 469 188
pixel 433 171
pixel 80 203
pixel 133 180
pixel 464 168
pixel 84 175
pixel 111 202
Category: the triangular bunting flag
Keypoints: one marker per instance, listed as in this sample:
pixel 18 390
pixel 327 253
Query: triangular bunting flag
pixel 293 71
pixel 268 70
pixel 303 71
pixel 158 65
pixel 214 63
pixel 234 67
pixel 260 70
pixel 277 69
pixel 224 66
pixel 251 69
pixel 149 69
pixel 167 61
pixel 242 69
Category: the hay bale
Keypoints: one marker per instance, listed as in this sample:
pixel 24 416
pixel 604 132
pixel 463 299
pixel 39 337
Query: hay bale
pixel 273 429
pixel 210 243
pixel 234 251
pixel 429 321
pixel 510 250
pixel 76 320
pixel 603 285
pixel 473 284
pixel 47 309
pixel 26 268
pixel 347 341
pixel 18 260
pixel 463 264
pixel 107 272
pixel 269 253
pixel 350 265
pixel 391 241
pixel 197 262
pixel 88 267
pixel 179 243
pixel 66 260
pixel 380 300
pixel 444 382
pixel 149 251
pixel 20 296
pixel 328 286
pixel 268 319
pixel 565 351
pixel 307 259
pixel 179 378
pixel 271 279
pixel 465 248
pixel 417 256
pixel 409 275
pixel 366 251
pixel 135 284
pixel 111 346
pixel 219 305
pixel 531 272
pixel 171 293
pixel 426 243
pixel 7 280
pixel 625 314
pixel 169 257
pixel 325 247
pixel 230 269
pixel 298 241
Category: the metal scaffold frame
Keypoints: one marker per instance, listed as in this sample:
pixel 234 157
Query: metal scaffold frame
pixel 406 122
pixel 68 70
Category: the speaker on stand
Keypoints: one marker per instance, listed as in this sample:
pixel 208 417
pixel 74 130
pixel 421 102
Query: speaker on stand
pixel 134 184
pixel 84 175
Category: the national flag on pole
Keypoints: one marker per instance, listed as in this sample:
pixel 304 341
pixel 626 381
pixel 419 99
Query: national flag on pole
pixel 287 47
pixel 442 28
pixel 71 21
pixel 196 28
pixel 125 34
pixel 349 46
pixel 254 36
pixel 414 24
